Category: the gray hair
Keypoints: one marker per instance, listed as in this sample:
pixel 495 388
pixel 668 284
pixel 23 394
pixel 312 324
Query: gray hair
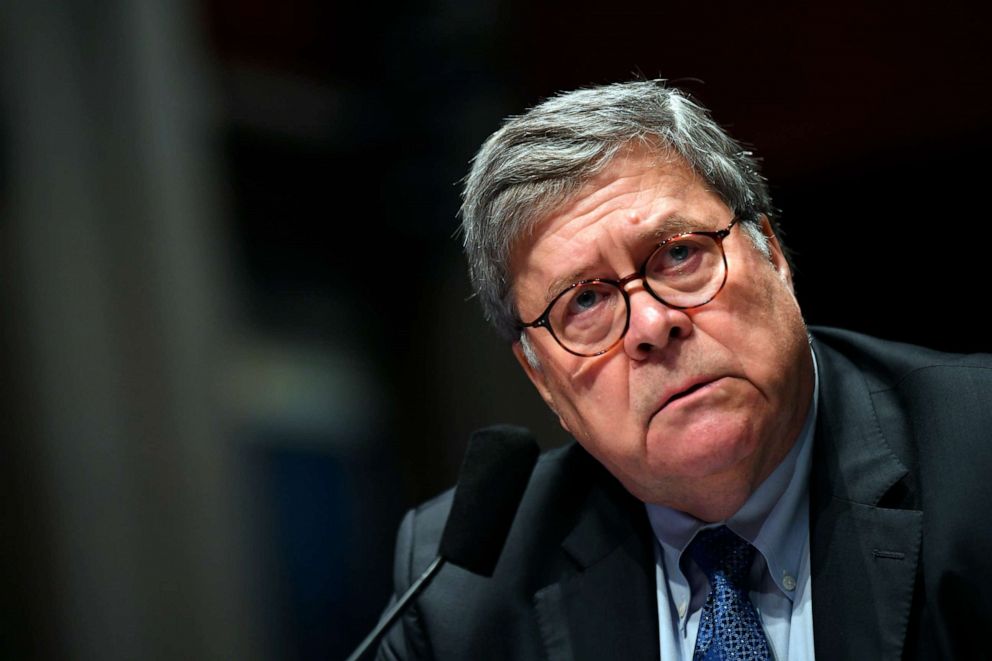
pixel 537 160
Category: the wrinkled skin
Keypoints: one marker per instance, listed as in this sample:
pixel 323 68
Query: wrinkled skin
pixel 745 353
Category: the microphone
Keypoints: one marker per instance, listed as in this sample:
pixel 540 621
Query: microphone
pixel 491 483
pixel 494 473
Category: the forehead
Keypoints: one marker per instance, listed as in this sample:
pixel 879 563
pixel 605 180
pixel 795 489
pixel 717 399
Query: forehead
pixel 640 198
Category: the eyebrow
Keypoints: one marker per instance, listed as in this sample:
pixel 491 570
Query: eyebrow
pixel 670 227
pixel 676 225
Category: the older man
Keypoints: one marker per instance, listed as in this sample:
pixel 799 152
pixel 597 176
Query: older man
pixel 740 488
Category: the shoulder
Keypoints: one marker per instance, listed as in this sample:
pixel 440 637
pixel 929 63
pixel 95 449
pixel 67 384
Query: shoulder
pixel 933 410
pixel 551 490
pixel 939 395
pixel 887 364
pixel 928 386
pixel 907 428
pixel 462 612
pixel 930 409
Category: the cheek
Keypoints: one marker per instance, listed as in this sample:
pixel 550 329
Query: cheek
pixel 760 326
pixel 762 303
pixel 755 294
pixel 594 402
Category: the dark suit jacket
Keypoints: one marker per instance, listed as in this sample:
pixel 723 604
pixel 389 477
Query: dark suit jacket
pixel 900 532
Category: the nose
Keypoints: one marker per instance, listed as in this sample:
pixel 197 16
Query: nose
pixel 653 325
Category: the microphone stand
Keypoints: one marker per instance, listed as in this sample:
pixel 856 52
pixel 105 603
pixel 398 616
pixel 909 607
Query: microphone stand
pixel 397 609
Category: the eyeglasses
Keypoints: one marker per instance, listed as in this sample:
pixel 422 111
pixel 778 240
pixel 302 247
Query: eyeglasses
pixel 591 317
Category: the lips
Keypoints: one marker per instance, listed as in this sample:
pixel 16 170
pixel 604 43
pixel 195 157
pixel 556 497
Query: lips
pixel 688 391
pixel 692 387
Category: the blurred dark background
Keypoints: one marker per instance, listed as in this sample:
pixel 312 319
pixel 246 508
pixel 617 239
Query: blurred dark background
pixel 235 332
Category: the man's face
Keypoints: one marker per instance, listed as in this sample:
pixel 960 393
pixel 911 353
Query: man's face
pixel 694 408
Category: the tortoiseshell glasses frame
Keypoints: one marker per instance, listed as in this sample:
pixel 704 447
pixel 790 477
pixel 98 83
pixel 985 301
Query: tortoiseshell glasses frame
pixel 709 279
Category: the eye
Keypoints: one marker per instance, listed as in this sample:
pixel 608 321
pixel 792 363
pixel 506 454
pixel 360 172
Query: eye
pixel 586 299
pixel 585 303
pixel 678 253
pixel 586 314
pixel 680 257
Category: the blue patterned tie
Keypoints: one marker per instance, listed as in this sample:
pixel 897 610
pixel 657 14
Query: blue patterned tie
pixel 729 627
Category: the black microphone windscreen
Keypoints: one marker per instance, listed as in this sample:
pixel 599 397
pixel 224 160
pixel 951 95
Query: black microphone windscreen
pixel 491 483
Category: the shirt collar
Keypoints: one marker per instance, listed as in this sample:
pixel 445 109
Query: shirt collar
pixel 774 519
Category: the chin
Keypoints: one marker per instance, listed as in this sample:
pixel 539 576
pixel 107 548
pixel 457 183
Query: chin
pixel 700 451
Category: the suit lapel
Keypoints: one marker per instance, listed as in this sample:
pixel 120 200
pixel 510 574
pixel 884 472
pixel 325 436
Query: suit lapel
pixel 605 605
pixel 863 557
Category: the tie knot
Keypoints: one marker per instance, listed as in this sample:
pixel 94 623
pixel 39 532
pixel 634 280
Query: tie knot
pixel 721 550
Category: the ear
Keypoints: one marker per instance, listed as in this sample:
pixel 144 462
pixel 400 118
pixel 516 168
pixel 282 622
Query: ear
pixel 777 255
pixel 539 380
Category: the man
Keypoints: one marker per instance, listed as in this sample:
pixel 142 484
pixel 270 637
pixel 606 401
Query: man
pixel 740 488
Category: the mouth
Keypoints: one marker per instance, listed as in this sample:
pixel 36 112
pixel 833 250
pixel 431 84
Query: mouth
pixel 686 392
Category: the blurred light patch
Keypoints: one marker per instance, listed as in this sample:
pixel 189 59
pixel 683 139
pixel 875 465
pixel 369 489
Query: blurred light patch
pixel 310 393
